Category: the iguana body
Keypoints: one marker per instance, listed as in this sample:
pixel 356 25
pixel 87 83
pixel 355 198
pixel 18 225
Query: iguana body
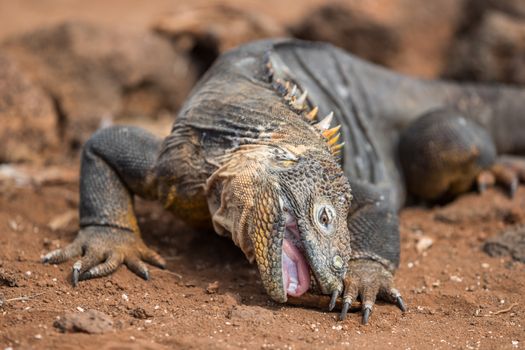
pixel 247 153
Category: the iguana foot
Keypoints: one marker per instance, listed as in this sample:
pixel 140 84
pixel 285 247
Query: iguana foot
pixel 367 280
pixel 507 171
pixel 102 250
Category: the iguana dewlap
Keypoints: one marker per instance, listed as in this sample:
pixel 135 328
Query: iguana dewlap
pixel 312 200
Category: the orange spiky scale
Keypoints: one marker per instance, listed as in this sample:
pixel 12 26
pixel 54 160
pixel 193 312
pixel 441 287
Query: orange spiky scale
pixel 299 102
pixel 333 140
pixel 331 132
pixel 302 99
pixel 312 114
pixel 338 147
pixel 325 123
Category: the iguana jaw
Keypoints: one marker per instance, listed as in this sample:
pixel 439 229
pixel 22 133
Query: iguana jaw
pixel 284 268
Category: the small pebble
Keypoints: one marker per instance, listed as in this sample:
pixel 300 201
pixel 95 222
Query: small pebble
pixel 423 244
pixel 212 287
pixel 455 278
pixel 125 297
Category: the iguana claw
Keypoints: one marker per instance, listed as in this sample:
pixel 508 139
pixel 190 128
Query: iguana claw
pixel 344 310
pixel 333 300
pixel 367 309
pixel 401 304
pixel 75 273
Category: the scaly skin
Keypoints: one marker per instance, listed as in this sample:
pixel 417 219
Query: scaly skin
pixel 248 155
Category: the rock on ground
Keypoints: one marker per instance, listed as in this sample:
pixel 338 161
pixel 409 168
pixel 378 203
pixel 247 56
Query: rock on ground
pixel 206 32
pixel 26 113
pixel 348 28
pixel 401 34
pixel 490 43
pixel 95 74
pixel 509 242
pixel 91 321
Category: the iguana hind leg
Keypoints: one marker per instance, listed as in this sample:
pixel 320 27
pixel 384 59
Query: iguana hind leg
pixel 444 154
pixel 117 163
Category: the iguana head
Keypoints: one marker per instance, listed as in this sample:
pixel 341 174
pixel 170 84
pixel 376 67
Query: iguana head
pixel 300 226
pixel 285 203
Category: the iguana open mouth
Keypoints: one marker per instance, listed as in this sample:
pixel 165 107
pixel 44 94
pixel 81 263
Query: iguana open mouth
pixel 296 273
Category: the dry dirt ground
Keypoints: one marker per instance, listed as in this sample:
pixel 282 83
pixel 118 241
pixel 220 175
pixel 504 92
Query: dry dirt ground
pixel 209 296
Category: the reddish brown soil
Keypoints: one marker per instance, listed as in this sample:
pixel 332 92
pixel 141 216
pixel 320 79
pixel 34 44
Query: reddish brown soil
pixel 456 294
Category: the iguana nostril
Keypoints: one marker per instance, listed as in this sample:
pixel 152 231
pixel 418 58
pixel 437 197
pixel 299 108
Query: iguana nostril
pixel 337 262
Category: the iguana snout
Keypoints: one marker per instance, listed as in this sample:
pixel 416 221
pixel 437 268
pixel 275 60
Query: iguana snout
pixel 316 242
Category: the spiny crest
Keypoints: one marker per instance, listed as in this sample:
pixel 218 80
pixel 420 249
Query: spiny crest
pixel 298 101
pixel 296 98
pixel 332 135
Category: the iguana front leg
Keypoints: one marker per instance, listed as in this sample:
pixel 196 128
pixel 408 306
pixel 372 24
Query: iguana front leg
pixel 374 257
pixel 117 163
pixel 374 231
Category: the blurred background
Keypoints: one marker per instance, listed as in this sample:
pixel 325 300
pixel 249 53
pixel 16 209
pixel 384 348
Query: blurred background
pixel 68 67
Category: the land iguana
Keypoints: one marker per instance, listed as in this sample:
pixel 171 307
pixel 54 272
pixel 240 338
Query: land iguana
pixel 313 200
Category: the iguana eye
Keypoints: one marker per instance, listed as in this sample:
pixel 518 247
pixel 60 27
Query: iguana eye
pixel 325 217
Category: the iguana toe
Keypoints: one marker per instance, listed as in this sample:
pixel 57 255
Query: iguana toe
pixel 60 255
pixel 95 266
pixel 153 258
pixel 507 172
pixel 137 266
